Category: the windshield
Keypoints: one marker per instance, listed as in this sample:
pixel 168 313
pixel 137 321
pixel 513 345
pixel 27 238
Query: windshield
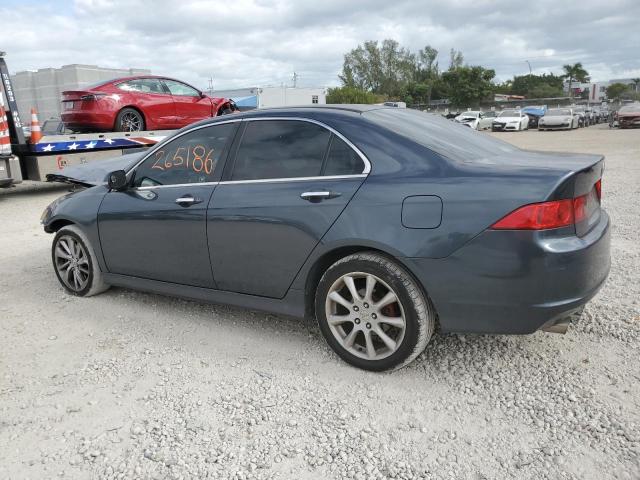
pixel 450 140
pixel 470 114
pixel 509 113
pixel 555 112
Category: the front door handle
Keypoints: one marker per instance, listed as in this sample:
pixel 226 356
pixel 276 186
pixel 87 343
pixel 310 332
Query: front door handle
pixel 188 200
pixel 318 196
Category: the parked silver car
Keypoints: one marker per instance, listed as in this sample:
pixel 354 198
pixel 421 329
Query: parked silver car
pixel 558 119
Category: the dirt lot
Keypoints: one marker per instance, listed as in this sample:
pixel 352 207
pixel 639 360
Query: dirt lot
pixel 133 385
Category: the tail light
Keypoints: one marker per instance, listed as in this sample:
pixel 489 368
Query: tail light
pixel 92 96
pixel 546 215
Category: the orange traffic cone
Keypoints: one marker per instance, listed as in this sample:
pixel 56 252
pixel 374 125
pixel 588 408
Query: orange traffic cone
pixel 36 134
pixel 5 141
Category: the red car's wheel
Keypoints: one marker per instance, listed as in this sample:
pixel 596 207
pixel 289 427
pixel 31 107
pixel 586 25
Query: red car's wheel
pixel 129 120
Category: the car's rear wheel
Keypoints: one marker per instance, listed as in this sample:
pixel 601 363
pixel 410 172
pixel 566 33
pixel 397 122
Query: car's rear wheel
pixel 129 120
pixel 372 313
pixel 75 264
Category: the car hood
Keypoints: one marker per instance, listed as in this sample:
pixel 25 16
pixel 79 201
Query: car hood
pixel 507 119
pixel 461 118
pixel 556 119
pixel 95 173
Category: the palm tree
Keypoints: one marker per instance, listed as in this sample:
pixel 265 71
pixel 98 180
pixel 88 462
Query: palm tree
pixel 575 73
pixel 636 82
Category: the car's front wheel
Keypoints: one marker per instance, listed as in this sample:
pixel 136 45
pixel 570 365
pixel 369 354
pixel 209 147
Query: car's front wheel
pixel 372 313
pixel 75 264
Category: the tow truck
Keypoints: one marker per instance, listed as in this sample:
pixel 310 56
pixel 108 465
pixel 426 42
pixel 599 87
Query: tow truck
pixel 21 160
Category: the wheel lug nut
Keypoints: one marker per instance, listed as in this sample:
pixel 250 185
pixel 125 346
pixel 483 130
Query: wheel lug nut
pixel 366 305
pixel 374 316
pixel 368 325
pixel 355 308
pixel 357 320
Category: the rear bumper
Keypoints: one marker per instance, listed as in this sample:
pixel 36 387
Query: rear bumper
pixel 516 282
pixel 88 120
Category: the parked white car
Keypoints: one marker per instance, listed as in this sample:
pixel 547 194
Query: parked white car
pixel 559 119
pixel 510 119
pixel 476 119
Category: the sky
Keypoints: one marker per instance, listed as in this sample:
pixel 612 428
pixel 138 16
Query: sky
pixel 247 43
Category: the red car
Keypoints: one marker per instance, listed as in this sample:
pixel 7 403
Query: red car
pixel 133 104
pixel 629 116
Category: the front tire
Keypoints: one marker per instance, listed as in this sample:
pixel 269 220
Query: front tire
pixel 75 264
pixel 372 313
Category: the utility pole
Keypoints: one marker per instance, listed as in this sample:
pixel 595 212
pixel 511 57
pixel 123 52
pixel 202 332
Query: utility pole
pixel 210 85
pixel 529 66
pixel 295 79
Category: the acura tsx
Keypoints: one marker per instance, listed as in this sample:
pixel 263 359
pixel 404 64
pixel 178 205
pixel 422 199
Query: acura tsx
pixel 381 223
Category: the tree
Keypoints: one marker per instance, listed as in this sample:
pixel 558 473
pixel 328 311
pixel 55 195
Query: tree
pixel 468 85
pixel 636 82
pixel 575 73
pixel 350 95
pixel 455 59
pixel 616 90
pixel 383 68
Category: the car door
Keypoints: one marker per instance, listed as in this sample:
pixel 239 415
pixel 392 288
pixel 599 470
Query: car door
pixel 156 229
pixel 191 106
pixel 289 181
pixel 485 121
pixel 151 97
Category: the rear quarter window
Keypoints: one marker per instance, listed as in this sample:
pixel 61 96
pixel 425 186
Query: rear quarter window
pixel 447 138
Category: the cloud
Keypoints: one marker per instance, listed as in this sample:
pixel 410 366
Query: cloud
pixel 262 42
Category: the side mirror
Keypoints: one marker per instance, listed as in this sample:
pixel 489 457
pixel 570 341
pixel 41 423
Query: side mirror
pixel 117 180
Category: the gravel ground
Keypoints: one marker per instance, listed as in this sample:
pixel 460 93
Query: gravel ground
pixel 133 385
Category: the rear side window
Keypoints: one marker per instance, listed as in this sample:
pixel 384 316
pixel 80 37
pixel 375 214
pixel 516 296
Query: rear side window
pixel 143 85
pixel 191 158
pixel 342 159
pixel 280 149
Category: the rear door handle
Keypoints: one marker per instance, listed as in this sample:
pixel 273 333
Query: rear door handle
pixel 188 200
pixel 318 196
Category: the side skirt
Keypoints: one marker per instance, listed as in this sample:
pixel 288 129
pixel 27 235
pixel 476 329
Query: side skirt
pixel 291 305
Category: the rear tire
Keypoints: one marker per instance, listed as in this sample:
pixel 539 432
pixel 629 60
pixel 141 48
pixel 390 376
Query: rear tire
pixel 385 325
pixel 129 120
pixel 75 264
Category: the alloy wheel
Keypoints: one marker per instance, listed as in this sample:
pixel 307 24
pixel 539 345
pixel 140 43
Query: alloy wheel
pixel 72 263
pixel 365 316
pixel 131 122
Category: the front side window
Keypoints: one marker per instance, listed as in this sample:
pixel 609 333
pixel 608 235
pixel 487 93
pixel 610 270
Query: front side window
pixel 342 159
pixel 314 99
pixel 192 158
pixel 143 85
pixel 280 149
pixel 178 88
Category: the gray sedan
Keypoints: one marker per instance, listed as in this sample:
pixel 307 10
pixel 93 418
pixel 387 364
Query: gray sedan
pixel 384 224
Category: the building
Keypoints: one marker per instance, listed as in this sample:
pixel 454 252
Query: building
pixel 598 90
pixel 265 97
pixel 43 88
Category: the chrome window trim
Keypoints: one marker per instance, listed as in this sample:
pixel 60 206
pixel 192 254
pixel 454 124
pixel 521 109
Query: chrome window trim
pixel 293 179
pixel 365 160
pixel 152 187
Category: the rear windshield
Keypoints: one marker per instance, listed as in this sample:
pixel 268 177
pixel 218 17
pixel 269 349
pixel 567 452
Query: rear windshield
pixel 449 139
